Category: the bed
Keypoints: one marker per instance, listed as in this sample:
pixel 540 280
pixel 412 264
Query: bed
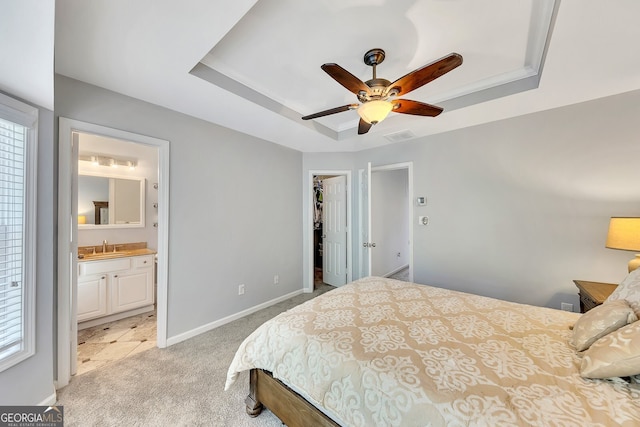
pixel 381 352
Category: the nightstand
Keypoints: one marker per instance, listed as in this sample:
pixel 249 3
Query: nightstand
pixel 593 294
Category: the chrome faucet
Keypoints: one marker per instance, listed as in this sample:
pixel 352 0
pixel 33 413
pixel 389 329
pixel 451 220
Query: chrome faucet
pixel 104 246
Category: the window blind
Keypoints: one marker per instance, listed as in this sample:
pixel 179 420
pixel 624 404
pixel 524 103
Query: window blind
pixel 12 237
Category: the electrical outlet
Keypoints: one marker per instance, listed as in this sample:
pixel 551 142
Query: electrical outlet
pixel 566 306
pixel 241 289
pixel 423 220
pixel 276 279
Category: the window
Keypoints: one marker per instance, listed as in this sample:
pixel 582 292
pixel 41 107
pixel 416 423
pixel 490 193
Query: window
pixel 18 139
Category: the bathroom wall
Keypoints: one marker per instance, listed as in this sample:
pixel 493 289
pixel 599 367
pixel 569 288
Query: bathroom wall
pixel 147 168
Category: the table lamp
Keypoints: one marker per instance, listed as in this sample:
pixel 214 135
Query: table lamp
pixel 624 234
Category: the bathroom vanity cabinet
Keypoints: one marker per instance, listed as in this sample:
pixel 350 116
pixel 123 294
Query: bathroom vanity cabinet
pixel 118 285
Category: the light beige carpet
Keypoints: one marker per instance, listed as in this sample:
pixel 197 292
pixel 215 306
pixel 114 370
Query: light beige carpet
pixel 182 385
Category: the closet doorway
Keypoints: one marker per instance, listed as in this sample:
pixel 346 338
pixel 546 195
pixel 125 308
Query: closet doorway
pixel 330 213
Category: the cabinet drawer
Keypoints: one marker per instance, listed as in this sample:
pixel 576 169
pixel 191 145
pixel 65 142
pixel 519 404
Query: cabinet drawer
pixel 99 267
pixel 143 261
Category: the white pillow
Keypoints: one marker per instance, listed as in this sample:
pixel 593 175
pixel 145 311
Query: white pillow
pixel 614 355
pixel 600 321
pixel 629 290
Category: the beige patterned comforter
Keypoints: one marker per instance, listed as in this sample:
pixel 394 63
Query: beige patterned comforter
pixel 380 352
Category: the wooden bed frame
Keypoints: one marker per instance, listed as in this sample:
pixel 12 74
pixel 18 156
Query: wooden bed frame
pixel 292 409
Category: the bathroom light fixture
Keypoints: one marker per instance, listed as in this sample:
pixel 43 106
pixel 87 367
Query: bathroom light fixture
pixel 114 162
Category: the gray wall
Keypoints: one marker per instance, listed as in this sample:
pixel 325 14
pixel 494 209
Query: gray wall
pixel 235 214
pixel 31 382
pixel 520 207
pixel 390 224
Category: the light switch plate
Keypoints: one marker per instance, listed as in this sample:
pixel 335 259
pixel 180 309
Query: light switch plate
pixel 421 201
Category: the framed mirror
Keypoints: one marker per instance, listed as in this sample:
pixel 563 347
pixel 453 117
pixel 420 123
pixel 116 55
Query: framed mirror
pixel 109 201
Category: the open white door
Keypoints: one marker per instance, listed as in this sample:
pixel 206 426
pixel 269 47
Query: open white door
pixel 366 239
pixel 334 236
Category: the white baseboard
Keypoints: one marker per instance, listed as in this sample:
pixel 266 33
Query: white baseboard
pixel 215 324
pixel 51 399
pixel 392 272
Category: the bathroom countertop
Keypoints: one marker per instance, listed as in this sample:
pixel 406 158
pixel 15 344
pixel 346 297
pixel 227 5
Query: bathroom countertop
pixel 118 254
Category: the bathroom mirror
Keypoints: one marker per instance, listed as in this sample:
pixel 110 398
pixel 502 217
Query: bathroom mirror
pixel 110 201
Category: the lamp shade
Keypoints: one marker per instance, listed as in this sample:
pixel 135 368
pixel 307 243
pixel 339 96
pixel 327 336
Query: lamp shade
pixel 374 111
pixel 82 219
pixel 624 233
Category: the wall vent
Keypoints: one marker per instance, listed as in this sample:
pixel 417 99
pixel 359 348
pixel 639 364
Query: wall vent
pixel 400 136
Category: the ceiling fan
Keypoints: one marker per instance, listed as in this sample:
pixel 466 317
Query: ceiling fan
pixel 376 94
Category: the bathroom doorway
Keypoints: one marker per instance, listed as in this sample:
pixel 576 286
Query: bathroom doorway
pixel 93 236
pixel 117 200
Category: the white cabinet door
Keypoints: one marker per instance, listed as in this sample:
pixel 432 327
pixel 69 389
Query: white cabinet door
pixel 131 289
pixel 92 297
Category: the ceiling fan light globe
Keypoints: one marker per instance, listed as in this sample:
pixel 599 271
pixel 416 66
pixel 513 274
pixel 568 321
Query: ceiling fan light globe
pixel 374 111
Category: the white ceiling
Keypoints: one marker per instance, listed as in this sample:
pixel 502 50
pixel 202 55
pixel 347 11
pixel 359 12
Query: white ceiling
pixel 255 66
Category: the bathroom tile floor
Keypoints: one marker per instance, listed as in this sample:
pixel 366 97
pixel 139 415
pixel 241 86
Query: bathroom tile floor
pixel 102 344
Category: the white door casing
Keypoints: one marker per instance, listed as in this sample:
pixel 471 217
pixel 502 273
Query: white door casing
pixel 366 240
pixel 334 233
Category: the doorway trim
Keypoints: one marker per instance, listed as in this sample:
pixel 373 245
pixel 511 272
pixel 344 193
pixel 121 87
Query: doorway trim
pixel 66 223
pixel 308 229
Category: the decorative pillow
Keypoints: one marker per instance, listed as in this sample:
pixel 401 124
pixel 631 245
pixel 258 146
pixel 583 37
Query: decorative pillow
pixel 600 321
pixel 614 355
pixel 629 290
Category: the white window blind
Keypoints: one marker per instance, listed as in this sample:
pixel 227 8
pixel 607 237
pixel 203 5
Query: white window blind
pixel 18 124
pixel 12 179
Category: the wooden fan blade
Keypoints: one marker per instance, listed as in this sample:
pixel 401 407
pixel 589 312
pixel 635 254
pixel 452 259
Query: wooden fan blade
pixel 406 106
pixel 345 78
pixel 363 127
pixel 331 111
pixel 424 75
